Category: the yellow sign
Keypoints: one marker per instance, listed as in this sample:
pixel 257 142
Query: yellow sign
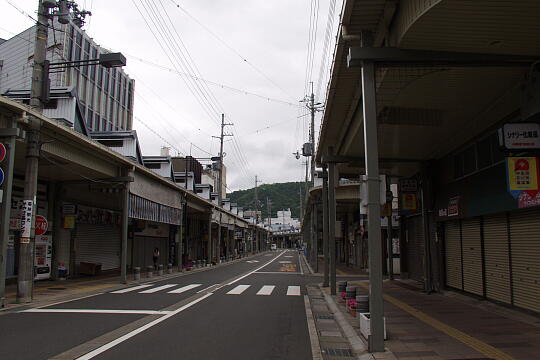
pixel 522 173
pixel 386 210
pixel 69 222
pixel 408 201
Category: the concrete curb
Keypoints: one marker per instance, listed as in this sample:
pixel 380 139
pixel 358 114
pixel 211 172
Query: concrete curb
pixel 358 346
pixel 307 264
pixel 312 329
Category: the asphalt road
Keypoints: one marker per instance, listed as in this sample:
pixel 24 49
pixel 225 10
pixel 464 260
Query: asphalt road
pixel 253 309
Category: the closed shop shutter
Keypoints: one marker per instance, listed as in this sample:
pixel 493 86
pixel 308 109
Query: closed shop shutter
pixel 497 264
pixel 525 248
pixel 415 248
pixel 452 240
pixel 98 243
pixel 472 256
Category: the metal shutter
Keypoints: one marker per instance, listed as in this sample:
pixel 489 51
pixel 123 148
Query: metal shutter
pixel 472 256
pixel 525 248
pixel 415 248
pixel 497 264
pixel 97 243
pixel 452 243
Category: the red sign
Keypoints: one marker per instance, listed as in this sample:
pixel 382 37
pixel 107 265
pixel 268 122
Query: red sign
pixel 2 152
pixel 41 225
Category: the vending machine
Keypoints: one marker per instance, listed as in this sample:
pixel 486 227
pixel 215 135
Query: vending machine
pixel 43 257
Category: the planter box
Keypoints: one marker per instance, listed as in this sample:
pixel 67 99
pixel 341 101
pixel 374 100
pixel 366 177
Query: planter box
pixel 365 327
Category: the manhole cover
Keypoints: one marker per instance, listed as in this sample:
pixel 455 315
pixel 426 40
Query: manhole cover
pixel 57 288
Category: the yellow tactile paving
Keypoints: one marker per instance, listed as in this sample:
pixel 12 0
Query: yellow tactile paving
pixel 468 340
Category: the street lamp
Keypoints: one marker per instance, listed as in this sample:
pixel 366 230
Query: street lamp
pixel 107 60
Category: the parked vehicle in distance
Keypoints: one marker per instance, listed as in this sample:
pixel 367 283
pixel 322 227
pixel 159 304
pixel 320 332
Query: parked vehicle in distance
pixel 273 247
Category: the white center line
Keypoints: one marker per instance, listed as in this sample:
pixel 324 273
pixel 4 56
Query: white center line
pixel 100 311
pixel 184 288
pixel 238 290
pixel 257 269
pixel 293 291
pixel 266 290
pixel 159 288
pixel 133 288
pixel 129 335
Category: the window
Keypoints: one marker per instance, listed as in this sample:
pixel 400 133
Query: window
pixel 106 81
pixel 93 67
pixel 98 123
pixel 89 118
pixel 100 76
pixel 469 160
pixel 153 165
pixel 111 143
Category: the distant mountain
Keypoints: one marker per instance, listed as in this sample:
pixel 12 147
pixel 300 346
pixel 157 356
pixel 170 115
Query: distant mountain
pixel 282 195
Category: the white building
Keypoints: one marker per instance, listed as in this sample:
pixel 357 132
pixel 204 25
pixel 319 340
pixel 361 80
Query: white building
pixel 285 219
pixel 105 95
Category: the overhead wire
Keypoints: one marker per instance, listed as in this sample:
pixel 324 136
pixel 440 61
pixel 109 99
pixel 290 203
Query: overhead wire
pixel 228 46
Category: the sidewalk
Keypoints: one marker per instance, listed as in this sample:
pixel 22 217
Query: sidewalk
pixel 448 326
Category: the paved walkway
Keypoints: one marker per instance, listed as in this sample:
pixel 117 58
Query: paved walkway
pixel 448 326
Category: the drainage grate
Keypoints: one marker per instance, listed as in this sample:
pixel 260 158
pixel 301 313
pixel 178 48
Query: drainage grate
pixel 338 352
pixel 324 316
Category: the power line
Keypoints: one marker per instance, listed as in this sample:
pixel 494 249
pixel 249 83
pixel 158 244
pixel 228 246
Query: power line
pixel 213 83
pixel 224 43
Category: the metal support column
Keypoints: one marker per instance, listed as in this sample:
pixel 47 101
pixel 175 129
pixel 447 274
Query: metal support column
pixel 376 340
pixel 390 231
pixel 313 226
pixel 332 222
pixel 125 221
pixel 210 244
pixel 325 228
pixel 8 167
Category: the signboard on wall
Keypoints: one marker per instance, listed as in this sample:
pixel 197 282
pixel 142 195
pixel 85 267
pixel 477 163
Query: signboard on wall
pixel 453 206
pixel 27 206
pixel 520 136
pixel 408 201
pixel 522 173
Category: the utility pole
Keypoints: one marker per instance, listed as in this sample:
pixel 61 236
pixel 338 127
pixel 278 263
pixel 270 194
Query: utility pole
pixel 220 174
pixel 25 276
pixel 312 135
pixel 256 199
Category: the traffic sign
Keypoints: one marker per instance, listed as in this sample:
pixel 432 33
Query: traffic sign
pixel 2 152
pixel 41 225
pixel 1 176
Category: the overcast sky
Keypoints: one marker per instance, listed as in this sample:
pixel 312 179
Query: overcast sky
pixel 262 50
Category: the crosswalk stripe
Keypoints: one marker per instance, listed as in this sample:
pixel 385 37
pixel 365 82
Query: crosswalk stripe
pixel 156 289
pixel 133 288
pixel 288 256
pixel 284 262
pixel 238 290
pixel 266 290
pixel 184 288
pixel 293 291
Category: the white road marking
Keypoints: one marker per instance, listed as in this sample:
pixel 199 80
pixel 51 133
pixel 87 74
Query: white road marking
pixel 238 290
pixel 133 288
pixel 129 335
pixel 184 288
pixel 289 256
pixel 285 262
pixel 156 289
pixel 257 269
pixel 266 290
pixel 278 272
pixel 100 311
pixel 211 286
pixel 252 261
pixel 293 291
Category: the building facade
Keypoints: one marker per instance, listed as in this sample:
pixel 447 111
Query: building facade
pixel 105 96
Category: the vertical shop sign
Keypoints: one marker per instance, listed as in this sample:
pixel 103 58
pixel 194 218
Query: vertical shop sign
pixel 408 201
pixel 27 207
pixel 453 206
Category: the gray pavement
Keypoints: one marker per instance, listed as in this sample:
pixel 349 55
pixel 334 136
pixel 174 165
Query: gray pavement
pixel 247 310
